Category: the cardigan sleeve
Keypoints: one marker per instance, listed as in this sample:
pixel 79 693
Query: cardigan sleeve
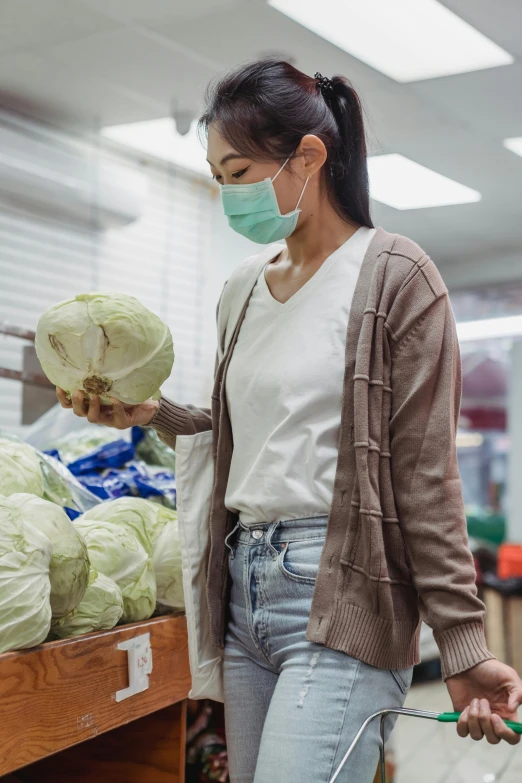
pixel 426 381
pixel 172 419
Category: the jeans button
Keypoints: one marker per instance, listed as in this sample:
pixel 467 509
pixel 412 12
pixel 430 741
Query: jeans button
pixel 257 534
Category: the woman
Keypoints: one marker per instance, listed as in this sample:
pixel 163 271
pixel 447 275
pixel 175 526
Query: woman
pixel 337 515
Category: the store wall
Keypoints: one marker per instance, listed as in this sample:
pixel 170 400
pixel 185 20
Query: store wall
pixel 174 258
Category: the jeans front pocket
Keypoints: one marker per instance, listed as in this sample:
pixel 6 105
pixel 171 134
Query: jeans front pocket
pixel 403 678
pixel 299 560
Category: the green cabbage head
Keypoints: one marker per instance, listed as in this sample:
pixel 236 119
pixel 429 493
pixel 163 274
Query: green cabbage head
pixel 69 569
pixel 156 528
pixel 105 344
pixel 117 553
pixel 166 559
pixel 19 468
pixel 25 587
pixel 135 514
pixel 99 610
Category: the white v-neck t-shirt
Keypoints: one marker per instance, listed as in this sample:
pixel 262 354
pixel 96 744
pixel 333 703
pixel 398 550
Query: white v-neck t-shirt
pixel 284 389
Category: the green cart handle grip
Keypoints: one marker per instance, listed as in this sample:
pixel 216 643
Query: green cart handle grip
pixel 452 717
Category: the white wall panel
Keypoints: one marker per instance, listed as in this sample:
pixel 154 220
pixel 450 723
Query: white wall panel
pixel 165 259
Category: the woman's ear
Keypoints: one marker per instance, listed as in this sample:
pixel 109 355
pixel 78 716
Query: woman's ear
pixel 312 154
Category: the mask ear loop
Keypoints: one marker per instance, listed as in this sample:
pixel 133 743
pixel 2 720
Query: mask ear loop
pixel 281 169
pixel 304 186
pixel 302 192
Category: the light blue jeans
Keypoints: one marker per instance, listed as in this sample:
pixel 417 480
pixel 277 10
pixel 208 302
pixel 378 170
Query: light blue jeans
pixel 292 707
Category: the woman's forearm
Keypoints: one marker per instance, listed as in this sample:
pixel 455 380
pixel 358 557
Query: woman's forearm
pixel 172 419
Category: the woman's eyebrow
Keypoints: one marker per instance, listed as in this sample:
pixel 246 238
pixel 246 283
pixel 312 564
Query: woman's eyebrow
pixel 230 156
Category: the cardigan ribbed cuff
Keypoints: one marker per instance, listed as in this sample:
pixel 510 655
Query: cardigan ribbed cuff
pixel 461 648
pixel 170 419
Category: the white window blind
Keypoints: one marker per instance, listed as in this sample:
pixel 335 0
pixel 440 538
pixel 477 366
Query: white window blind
pixel 163 259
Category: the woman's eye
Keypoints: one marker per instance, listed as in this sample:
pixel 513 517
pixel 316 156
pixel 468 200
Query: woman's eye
pixel 236 175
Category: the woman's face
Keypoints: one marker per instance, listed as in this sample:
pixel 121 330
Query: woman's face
pixel 230 168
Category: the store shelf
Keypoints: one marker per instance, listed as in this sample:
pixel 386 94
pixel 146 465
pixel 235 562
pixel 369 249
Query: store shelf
pixel 62 693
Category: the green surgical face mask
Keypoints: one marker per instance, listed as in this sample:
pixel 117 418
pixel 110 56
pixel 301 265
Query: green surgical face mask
pixel 253 211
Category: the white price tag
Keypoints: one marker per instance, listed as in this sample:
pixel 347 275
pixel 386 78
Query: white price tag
pixel 139 654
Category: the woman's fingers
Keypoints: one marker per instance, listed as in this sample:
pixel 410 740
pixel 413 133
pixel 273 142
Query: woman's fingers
pixel 93 411
pixel 103 414
pixel 462 724
pixel 90 408
pixel 515 699
pixel 504 732
pixel 64 401
pixel 486 724
pixel 120 416
pixel 78 404
pixel 475 729
pixel 478 721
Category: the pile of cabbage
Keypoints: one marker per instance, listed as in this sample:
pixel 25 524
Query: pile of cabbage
pixel 148 533
pixel 118 562
pixel 44 569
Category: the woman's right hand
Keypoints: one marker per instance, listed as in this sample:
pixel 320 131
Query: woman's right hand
pixel 117 415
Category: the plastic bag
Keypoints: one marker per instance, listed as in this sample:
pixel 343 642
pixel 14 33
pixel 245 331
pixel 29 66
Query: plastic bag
pixel 60 486
pixel 58 424
pixel 152 450
pixel 135 478
pixel 105 487
pixel 110 455
pixel 104 461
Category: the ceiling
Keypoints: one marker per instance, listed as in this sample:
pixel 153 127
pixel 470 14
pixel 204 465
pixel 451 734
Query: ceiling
pixel 90 63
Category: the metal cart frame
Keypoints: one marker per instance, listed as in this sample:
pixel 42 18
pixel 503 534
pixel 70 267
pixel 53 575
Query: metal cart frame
pixel 441 717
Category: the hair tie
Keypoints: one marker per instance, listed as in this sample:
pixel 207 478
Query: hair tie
pixel 324 84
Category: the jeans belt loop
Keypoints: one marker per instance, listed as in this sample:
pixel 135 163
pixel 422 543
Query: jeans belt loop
pixel 268 540
pixel 234 530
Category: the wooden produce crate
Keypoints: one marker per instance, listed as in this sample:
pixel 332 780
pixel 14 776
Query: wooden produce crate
pixel 56 696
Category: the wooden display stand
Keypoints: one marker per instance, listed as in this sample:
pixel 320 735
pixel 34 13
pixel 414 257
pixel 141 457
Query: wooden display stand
pixel 56 696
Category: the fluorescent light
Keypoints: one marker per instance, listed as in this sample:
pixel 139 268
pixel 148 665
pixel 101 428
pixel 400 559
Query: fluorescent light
pixel 404 184
pixel 490 328
pixel 407 40
pixel 160 139
pixel 469 440
pixel 515 145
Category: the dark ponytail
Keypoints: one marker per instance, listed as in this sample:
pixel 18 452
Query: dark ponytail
pixel 349 156
pixel 264 109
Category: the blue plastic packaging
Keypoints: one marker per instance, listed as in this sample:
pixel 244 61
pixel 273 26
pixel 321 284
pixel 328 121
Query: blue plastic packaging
pixel 110 455
pixel 105 487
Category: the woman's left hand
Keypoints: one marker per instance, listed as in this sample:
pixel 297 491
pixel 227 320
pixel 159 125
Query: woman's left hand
pixel 486 694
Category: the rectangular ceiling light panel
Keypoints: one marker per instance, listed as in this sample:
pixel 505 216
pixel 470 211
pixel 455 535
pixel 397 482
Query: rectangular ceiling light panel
pixel 407 40
pixel 160 139
pixel 515 145
pixel 403 184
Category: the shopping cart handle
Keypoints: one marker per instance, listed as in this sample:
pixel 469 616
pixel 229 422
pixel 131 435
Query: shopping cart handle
pixel 452 717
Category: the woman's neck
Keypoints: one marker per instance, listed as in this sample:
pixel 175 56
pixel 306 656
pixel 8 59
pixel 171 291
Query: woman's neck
pixel 322 232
